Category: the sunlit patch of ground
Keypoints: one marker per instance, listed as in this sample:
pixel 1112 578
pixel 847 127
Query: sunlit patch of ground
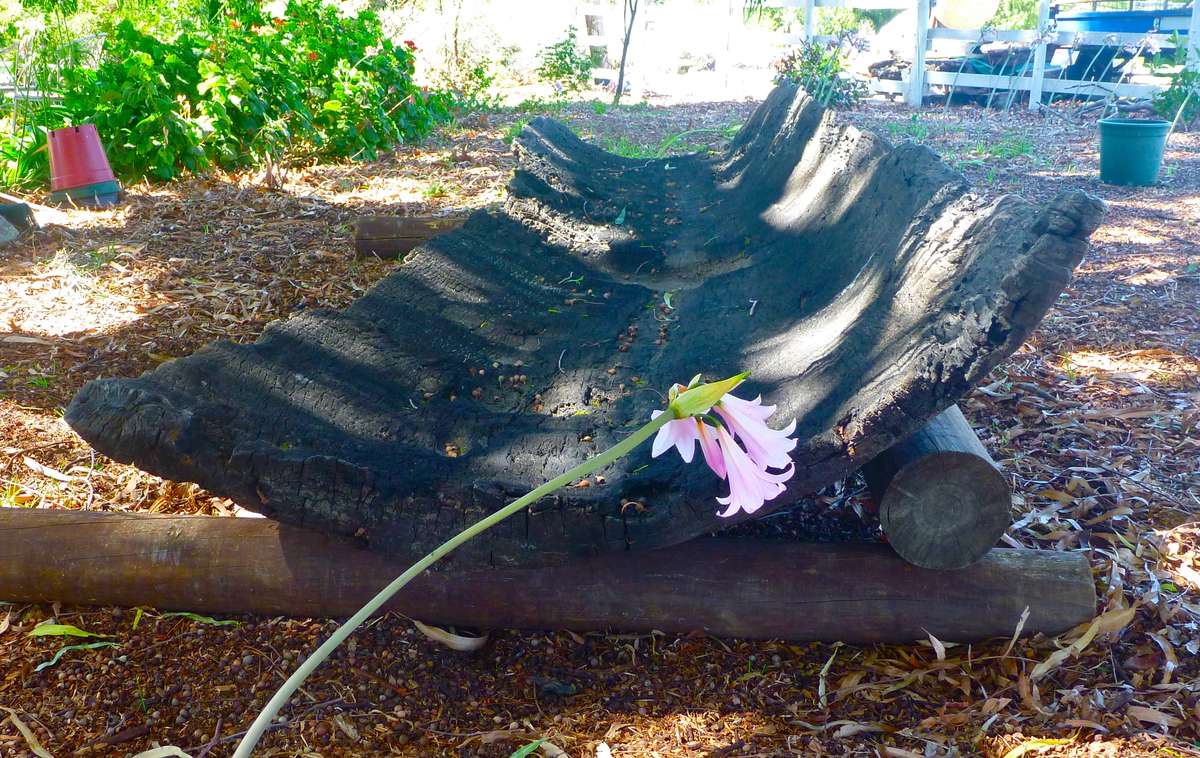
pixel 75 294
pixel 1155 364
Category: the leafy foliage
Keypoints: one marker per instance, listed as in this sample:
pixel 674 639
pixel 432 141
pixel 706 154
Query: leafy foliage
pixel 843 21
pixel 1015 14
pixel 239 85
pixel 1182 95
pixel 564 65
pixel 820 69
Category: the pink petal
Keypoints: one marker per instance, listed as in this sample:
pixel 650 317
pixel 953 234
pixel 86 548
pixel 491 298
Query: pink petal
pixel 767 447
pixel 711 449
pixel 749 407
pixel 680 433
pixel 749 485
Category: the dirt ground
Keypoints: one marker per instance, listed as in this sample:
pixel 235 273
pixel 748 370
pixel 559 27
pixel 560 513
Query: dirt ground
pixel 1094 419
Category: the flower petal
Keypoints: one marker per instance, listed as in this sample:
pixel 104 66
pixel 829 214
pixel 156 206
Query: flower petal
pixel 766 446
pixel 711 449
pixel 750 485
pixel 679 433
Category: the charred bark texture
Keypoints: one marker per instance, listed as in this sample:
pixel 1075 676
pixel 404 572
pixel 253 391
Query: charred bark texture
pixel 862 283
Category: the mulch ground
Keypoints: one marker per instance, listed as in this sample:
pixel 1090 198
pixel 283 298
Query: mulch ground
pixel 1095 420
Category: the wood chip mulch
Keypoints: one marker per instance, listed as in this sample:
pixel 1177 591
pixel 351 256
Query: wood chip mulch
pixel 1095 419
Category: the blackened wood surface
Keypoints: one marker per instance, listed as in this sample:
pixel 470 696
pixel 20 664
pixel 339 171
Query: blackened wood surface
pixel 943 503
pixel 863 284
pixel 733 587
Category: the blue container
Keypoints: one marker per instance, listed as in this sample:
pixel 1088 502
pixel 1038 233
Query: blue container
pixel 1124 22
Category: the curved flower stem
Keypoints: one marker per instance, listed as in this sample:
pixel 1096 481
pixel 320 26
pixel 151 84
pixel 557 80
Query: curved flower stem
pixel 276 703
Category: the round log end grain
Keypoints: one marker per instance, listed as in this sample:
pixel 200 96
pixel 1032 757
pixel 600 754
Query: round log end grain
pixel 946 510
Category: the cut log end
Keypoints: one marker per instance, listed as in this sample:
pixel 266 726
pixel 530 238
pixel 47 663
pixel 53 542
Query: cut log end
pixel 946 510
pixel 391 237
pixel 942 502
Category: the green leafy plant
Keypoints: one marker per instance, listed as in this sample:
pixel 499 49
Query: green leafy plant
pixel 914 128
pixel 564 64
pixel 1181 98
pixel 238 83
pixel 820 68
pixel 62 630
pixel 69 648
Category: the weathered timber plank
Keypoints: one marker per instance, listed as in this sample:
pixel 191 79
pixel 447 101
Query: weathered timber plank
pixel 392 236
pixel 723 586
pixel 943 502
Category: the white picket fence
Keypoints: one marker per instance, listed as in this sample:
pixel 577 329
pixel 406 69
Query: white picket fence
pixel 1035 81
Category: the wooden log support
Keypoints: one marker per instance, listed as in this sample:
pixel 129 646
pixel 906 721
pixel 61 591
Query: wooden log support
pixel 732 587
pixel 390 237
pixel 943 503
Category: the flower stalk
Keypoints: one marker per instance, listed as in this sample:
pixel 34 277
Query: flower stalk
pixel 689 418
pixel 281 697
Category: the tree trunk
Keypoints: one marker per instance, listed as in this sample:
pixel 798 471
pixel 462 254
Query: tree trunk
pixel 631 8
pixel 943 503
pixel 759 589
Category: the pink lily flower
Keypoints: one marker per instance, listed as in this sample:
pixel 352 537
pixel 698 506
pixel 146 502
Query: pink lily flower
pixel 745 465
pixel 749 484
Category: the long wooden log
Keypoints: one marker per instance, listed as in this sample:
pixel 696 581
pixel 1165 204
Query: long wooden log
pixel 392 236
pixel 943 503
pixel 722 586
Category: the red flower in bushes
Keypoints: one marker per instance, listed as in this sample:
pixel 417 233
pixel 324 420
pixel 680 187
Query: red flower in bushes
pixel 412 46
pixel 312 56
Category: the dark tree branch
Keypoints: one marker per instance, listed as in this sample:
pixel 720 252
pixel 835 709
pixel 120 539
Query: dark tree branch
pixel 631 9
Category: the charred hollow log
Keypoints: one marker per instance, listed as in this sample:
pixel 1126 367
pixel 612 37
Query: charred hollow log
pixel 862 283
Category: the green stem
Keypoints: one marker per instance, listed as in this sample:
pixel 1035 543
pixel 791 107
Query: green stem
pixel 617 451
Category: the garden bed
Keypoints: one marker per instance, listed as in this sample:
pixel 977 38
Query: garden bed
pixel 1094 418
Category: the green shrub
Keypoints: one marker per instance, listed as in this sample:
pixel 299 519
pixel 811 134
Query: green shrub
pixel 244 86
pixel 1182 95
pixel 820 69
pixel 564 65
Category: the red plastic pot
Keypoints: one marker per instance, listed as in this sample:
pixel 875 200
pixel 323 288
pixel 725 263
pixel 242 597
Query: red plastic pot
pixel 77 158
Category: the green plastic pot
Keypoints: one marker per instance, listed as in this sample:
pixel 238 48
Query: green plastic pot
pixel 98 195
pixel 1131 150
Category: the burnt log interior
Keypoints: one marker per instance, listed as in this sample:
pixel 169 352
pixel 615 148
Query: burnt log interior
pixel 863 284
pixel 724 586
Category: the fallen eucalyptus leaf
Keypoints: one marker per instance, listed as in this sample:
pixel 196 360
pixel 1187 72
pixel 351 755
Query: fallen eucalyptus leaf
pixel 62 630
pixel 450 640
pixel 1112 621
pixel 1030 746
pixel 58 656
pixel 166 751
pixel 1151 716
pixel 31 739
